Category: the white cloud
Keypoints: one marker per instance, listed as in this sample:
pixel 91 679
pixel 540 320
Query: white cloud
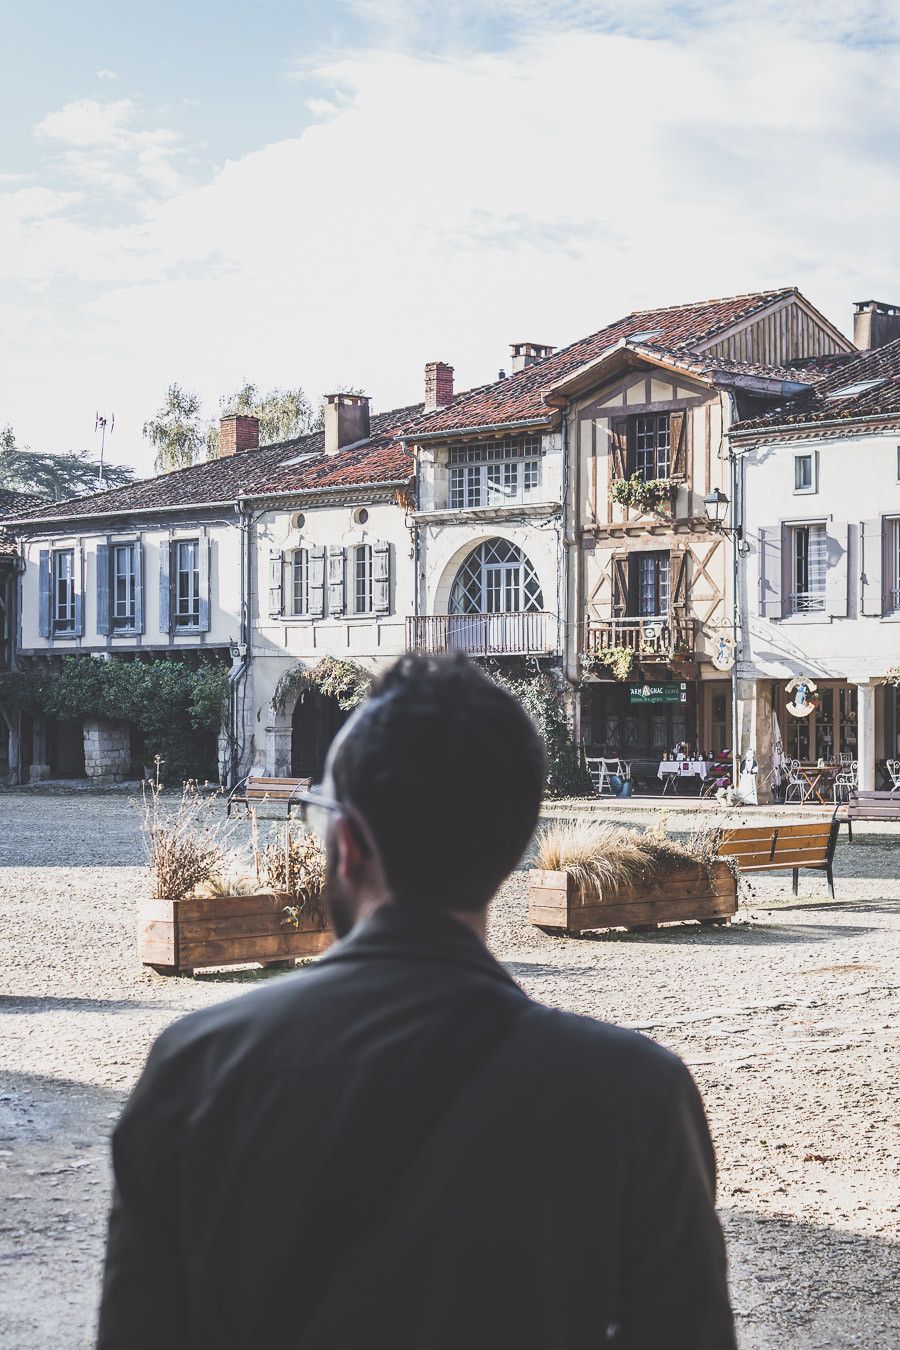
pixel 103 146
pixel 107 75
pixel 442 209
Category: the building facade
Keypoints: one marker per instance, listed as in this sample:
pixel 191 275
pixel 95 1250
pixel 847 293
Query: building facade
pixel 819 497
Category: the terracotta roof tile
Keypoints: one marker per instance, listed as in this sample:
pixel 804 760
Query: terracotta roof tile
pixel 865 387
pixel 13 504
pixel 252 473
pixel 519 397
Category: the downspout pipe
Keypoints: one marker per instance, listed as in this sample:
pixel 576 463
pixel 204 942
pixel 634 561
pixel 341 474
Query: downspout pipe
pixel 238 676
pixel 737 511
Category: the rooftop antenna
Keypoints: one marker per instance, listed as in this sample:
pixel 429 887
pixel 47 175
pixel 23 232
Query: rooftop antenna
pixel 100 424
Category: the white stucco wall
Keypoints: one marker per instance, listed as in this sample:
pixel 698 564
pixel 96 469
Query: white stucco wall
pixel 857 483
pixel 224 585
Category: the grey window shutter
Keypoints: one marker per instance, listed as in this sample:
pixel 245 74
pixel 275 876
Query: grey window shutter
pixel 836 576
pixel 871 574
pixel 203 569
pixel 316 583
pixel 44 585
pixel 770 572
pixel 276 585
pixel 381 578
pixel 165 585
pixel 620 585
pixel 103 589
pixel 335 580
pixel 678 444
pixel 78 579
pixel 139 586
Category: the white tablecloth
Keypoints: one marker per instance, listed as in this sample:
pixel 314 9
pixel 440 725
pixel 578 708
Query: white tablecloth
pixel 684 768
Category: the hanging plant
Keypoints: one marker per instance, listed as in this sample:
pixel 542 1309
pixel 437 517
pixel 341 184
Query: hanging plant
pixel 891 676
pixel 618 661
pixel 642 495
pixel 346 681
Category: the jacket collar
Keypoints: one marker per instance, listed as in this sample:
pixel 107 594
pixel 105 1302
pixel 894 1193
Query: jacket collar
pixel 419 933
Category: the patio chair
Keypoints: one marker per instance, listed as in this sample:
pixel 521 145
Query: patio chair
pixel 797 788
pixel 893 770
pixel 844 784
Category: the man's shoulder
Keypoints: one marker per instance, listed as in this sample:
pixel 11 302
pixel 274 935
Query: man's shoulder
pixel 601 1055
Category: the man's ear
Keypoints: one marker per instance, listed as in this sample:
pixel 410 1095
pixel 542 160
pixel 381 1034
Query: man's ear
pixel 352 855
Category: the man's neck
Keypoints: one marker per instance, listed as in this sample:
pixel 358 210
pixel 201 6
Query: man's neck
pixel 474 920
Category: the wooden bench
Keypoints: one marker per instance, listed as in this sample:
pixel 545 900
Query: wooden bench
pixel 870 806
pixel 251 791
pixel 773 848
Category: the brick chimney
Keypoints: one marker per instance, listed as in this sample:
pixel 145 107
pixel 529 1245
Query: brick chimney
pixel 238 432
pixel 874 324
pixel 438 385
pixel 526 353
pixel 346 420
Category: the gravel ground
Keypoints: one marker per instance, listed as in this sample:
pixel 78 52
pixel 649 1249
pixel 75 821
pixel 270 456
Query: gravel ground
pixel 788 1021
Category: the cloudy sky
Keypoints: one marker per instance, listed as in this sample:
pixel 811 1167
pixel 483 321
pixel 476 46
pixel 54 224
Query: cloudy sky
pixel 334 193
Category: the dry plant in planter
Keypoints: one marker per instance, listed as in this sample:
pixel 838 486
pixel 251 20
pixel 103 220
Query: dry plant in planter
pixel 185 843
pixel 591 874
pixel 293 864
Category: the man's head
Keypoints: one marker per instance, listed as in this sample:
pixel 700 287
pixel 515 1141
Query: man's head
pixel 441 772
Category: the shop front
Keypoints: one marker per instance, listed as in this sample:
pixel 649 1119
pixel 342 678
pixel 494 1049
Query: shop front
pixel 828 732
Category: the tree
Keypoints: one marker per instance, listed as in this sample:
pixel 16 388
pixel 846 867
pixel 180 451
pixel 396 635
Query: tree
pixel 54 475
pixel 283 414
pixel 176 432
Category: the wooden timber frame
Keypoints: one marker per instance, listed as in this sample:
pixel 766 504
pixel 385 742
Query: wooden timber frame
pixel 178 936
pixel 809 844
pixel 707 894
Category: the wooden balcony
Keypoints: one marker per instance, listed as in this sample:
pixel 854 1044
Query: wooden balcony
pixel 515 634
pixel 651 639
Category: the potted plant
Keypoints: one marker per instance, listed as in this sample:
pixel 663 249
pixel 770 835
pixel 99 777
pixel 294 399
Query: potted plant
pixel 617 661
pixel 595 875
pixel 644 495
pixel 205 910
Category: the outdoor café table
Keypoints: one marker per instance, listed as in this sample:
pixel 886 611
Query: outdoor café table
pixel 671 771
pixel 818 778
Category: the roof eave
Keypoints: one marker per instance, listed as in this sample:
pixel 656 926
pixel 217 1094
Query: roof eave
pixel 125 511
pixel 448 433
pixel 328 490
pixel 737 433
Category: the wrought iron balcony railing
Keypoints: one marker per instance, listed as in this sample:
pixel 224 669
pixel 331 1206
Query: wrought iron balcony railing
pixel 651 639
pixel 515 634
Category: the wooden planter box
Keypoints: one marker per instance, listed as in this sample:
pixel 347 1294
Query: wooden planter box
pixel 690 892
pixel 223 930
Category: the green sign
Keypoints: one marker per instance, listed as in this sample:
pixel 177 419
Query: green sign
pixel 657 693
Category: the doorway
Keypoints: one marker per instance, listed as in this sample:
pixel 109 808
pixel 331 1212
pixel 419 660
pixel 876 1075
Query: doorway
pixel 316 721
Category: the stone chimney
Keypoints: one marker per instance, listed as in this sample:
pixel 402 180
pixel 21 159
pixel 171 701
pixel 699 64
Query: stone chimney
pixel 438 385
pixel 346 420
pixel 874 324
pixel 238 432
pixel 526 353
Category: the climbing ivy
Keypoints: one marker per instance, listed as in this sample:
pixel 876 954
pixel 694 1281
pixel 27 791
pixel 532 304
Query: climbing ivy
pixel 542 699
pixel 346 681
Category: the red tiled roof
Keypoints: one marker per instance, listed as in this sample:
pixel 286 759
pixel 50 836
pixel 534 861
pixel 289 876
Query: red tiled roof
pixel 677 328
pixel 877 371
pixel 253 473
pixel 13 504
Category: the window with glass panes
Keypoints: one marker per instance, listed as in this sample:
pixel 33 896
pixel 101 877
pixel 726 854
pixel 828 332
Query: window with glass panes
pixel 362 579
pixel 124 585
pixel 652 584
pixel 187 583
pixel 493 473
pixel 651 446
pixel 893 580
pixel 808 568
pixel 64 590
pixel 300 581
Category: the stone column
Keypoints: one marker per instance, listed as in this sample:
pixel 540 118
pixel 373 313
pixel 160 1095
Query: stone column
pixel 107 750
pixel 865 717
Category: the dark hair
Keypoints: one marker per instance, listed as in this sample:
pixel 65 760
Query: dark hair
pixel 447 770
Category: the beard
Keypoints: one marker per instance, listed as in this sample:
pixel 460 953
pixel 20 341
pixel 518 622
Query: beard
pixel 341 904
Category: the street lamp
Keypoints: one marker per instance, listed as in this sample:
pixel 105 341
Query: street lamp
pixel 716 507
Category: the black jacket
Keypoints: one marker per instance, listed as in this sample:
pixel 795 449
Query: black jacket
pixel 397 1147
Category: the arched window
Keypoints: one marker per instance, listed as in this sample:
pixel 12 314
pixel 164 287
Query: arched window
pixel 496 578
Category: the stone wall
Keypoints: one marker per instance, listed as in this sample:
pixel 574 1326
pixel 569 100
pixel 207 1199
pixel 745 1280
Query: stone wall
pixel 107 751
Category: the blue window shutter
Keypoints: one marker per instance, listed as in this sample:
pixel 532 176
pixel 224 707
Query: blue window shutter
pixel 44 592
pixel 165 586
pixel 203 568
pixel 103 589
pixel 78 580
pixel 138 586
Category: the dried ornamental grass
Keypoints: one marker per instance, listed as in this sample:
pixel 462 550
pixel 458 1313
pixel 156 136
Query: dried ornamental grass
pixel 605 859
pixel 294 865
pixel 185 844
